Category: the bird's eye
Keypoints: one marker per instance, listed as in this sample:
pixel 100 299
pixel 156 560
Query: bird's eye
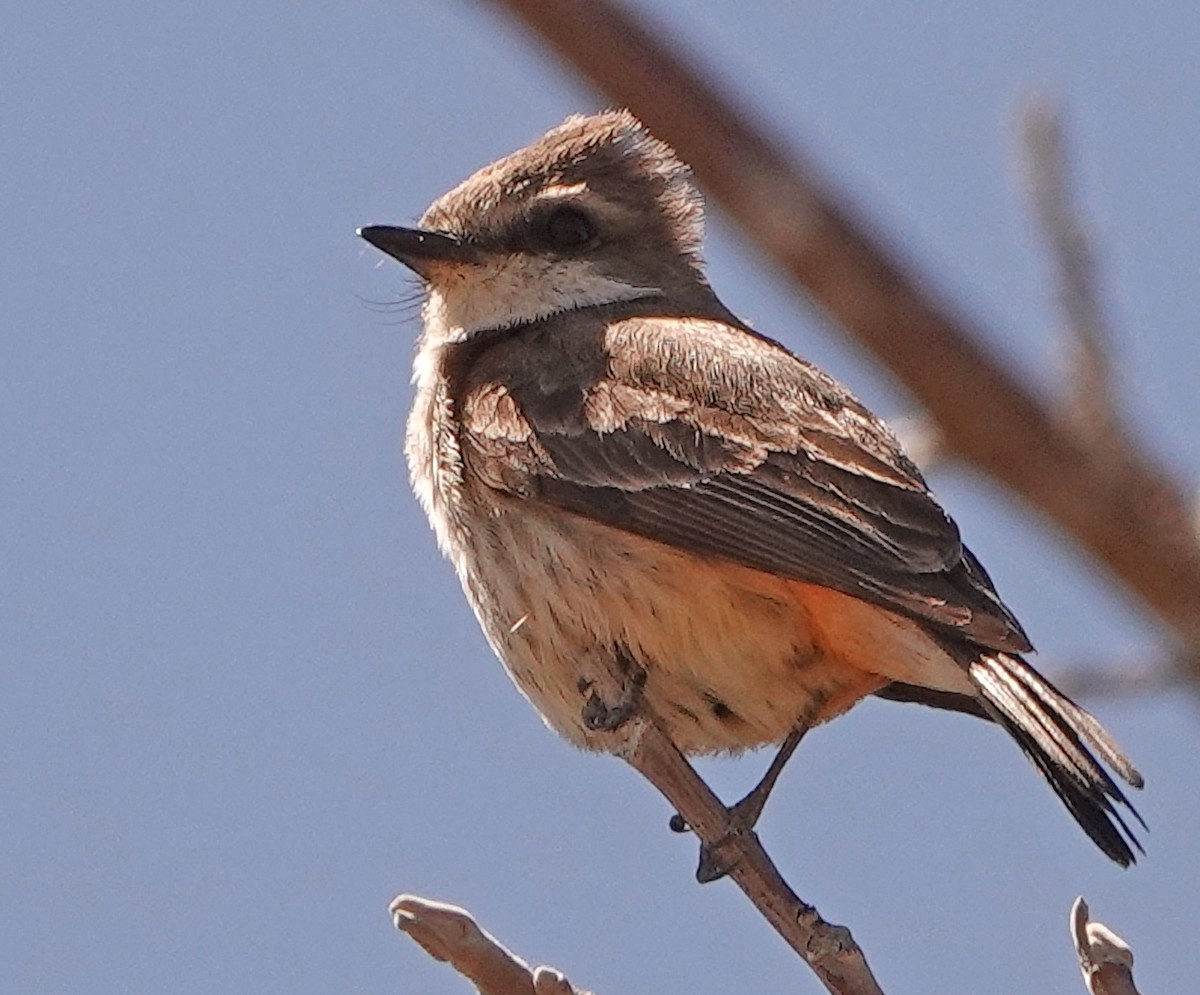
pixel 568 228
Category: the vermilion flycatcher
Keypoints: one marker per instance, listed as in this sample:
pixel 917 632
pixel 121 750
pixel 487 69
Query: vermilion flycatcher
pixel 631 481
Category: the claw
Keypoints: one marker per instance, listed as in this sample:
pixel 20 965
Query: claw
pixel 719 857
pixel 601 717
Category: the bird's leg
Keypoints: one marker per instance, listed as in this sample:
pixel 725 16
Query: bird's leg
pixel 714 864
pixel 598 715
pixel 746 812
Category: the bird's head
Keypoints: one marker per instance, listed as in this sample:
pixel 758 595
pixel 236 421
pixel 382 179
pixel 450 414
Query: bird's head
pixel 594 212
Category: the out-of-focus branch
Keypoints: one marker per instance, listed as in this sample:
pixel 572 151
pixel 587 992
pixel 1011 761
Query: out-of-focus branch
pixel 448 933
pixel 922 440
pixel 1088 391
pixel 1104 958
pixel 1123 680
pixel 1114 500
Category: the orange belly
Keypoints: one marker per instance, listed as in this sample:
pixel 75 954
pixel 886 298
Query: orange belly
pixel 734 658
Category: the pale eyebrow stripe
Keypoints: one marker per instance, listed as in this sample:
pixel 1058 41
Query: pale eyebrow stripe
pixel 560 191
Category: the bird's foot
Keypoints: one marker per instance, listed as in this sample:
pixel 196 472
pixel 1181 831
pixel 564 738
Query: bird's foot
pixel 599 716
pixel 718 857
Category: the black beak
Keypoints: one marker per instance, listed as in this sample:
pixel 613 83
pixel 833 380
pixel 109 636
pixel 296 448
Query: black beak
pixel 417 248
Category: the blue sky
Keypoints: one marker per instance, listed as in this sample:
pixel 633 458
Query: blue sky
pixel 242 701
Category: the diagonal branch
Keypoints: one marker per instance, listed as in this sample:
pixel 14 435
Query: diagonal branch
pixel 1116 501
pixel 448 933
pixel 828 949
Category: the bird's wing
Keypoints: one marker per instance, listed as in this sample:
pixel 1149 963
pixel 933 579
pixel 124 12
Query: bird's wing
pixel 709 438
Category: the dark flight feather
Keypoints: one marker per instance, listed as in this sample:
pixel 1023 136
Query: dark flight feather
pixel 1045 725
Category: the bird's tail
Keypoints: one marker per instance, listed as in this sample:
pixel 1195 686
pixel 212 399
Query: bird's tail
pixel 1063 741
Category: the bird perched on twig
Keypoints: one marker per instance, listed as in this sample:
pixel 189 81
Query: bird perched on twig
pixel 652 507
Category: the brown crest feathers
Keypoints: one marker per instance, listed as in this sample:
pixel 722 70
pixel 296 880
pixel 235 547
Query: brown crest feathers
pixel 612 152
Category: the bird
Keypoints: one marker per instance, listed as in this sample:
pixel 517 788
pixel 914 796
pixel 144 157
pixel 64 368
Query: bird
pixel 655 509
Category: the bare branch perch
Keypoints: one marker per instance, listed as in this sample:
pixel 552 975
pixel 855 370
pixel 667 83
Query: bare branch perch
pixel 1104 958
pixel 1090 405
pixel 828 949
pixel 1115 501
pixel 450 934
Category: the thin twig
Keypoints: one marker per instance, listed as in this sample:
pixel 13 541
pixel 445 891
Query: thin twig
pixel 1088 390
pixel 1104 958
pixel 1115 501
pixel 1125 680
pixel 451 934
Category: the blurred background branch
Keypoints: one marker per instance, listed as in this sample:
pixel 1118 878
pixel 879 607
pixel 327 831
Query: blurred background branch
pixel 1087 402
pixel 1084 473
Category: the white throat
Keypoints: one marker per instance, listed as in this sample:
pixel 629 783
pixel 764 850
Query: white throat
pixel 513 290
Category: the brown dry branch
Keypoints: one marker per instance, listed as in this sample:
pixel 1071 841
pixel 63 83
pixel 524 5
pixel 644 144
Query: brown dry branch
pixel 828 949
pixel 1114 500
pixel 1104 958
pixel 448 933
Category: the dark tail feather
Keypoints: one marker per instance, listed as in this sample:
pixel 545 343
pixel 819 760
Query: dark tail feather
pixel 1053 731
